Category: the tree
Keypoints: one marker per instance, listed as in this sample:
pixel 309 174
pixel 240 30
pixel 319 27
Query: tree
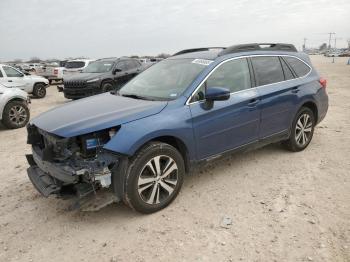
pixel 163 55
pixel 34 59
pixel 323 46
pixel 17 61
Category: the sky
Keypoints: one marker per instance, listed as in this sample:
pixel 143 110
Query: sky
pixel 106 28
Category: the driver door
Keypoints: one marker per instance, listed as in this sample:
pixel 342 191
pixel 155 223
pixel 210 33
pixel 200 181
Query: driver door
pixel 227 124
pixel 13 77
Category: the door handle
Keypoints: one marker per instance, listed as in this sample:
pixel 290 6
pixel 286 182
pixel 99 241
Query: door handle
pixel 9 80
pixel 295 90
pixel 253 102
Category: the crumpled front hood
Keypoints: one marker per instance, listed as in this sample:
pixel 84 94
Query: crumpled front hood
pixel 95 113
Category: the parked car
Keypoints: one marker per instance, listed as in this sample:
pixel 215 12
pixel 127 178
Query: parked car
pixel 182 112
pixel 101 76
pixel 75 66
pixel 14 109
pixel 32 84
pixel 345 54
pixel 51 73
pixel 34 67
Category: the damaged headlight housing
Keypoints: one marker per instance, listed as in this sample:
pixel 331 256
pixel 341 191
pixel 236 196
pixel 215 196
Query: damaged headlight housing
pixel 91 143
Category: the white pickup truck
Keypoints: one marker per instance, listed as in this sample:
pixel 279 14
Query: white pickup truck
pixel 52 73
pixel 32 84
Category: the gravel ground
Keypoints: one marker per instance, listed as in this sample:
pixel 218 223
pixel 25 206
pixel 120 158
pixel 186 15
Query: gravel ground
pixel 264 205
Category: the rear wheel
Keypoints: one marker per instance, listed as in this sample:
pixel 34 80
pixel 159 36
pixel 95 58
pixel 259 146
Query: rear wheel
pixel 39 90
pixel 302 130
pixel 154 177
pixel 15 114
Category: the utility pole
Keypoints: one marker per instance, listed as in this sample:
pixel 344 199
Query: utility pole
pixel 330 38
pixel 304 45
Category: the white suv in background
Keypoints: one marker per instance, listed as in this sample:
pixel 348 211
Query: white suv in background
pixel 14 110
pixel 32 84
pixel 75 66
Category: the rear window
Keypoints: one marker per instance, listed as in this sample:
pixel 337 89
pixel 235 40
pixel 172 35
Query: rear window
pixel 75 64
pixel 268 70
pixel 299 67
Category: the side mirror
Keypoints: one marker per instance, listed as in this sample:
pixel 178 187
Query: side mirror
pixel 26 73
pixel 116 70
pixel 217 94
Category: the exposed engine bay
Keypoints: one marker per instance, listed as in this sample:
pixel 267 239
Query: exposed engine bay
pixel 66 167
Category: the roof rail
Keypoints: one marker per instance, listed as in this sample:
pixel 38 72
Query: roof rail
pixel 192 50
pixel 258 47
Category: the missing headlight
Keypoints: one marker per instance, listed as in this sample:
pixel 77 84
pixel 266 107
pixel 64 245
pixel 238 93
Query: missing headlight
pixel 91 143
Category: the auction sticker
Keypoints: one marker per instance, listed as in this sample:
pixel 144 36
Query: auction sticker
pixel 202 62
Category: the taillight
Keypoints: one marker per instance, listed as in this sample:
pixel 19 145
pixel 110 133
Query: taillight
pixel 323 82
pixel 55 71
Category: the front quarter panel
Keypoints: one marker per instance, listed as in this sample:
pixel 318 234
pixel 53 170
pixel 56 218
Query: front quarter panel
pixel 175 122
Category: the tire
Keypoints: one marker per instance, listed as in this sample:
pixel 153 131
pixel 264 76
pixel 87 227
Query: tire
pixel 15 115
pixel 39 90
pixel 146 191
pixel 106 87
pixel 302 130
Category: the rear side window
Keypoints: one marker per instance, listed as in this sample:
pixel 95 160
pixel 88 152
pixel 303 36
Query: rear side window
pixel 299 67
pixel 75 64
pixel 287 73
pixel 268 70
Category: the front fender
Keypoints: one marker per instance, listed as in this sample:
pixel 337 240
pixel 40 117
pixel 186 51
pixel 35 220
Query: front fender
pixel 133 135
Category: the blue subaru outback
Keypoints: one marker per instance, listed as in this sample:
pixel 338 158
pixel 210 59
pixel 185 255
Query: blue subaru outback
pixel 137 144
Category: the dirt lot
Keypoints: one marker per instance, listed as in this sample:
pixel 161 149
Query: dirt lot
pixel 283 206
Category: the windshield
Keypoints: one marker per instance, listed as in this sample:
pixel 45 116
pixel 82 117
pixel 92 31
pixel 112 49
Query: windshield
pixel 75 64
pixel 166 80
pixel 98 67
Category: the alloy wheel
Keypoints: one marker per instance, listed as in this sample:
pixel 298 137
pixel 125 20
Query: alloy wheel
pixel 158 179
pixel 18 115
pixel 41 91
pixel 303 130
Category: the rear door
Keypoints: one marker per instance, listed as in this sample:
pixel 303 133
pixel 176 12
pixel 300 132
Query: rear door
pixel 277 95
pixel 231 123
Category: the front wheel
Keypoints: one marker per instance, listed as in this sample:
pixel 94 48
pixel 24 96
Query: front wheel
pixel 154 177
pixel 15 115
pixel 39 90
pixel 302 130
pixel 106 87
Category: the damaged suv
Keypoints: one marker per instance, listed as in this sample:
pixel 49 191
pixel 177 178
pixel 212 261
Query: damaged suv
pixel 136 145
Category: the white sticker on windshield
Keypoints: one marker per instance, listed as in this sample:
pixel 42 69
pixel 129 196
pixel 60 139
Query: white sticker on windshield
pixel 202 62
pixel 173 95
